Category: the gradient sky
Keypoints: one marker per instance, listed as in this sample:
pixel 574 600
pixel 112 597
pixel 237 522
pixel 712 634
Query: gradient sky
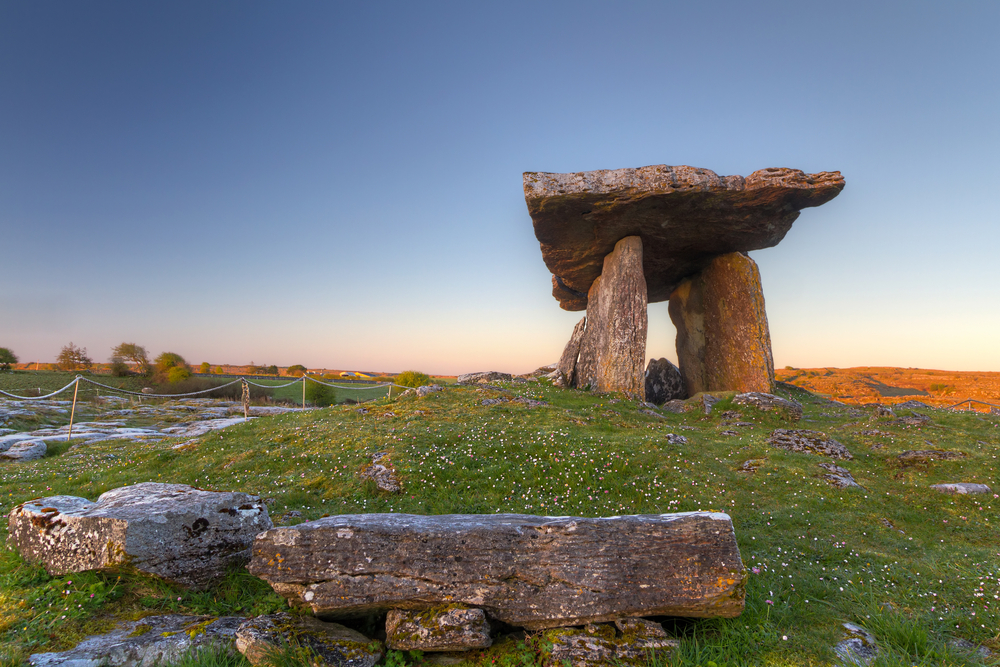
pixel 339 184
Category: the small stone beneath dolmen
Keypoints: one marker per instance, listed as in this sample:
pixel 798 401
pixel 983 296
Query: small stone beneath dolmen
pixel 152 641
pixel 770 403
pixel 961 488
pixel 663 382
pixel 172 531
pixel 595 645
pixel 483 377
pixel 810 442
pixel 331 643
pixel 455 629
pixel 533 572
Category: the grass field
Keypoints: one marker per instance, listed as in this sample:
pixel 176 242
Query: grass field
pixel 915 567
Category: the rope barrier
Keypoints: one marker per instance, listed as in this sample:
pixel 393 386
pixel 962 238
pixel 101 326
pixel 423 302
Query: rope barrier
pixel 139 393
pixel 38 398
pixel 970 401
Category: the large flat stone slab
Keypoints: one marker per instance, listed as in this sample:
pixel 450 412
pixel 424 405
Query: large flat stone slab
pixel 684 215
pixel 529 571
pixel 176 532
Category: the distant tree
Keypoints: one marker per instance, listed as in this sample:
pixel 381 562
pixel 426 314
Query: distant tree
pixel 130 353
pixel 205 367
pixel 178 374
pixel 413 379
pixel 73 358
pixel 219 370
pixel 298 370
pixel 167 361
pixel 118 367
pixel 272 370
pixel 7 358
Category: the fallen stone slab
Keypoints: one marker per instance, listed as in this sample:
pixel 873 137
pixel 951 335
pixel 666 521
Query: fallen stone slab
pixel 962 488
pixel 770 403
pixel 810 442
pixel 684 215
pixel 25 450
pixel 595 645
pixel 529 571
pixel 149 642
pixel 484 377
pixel 176 532
pixel 331 643
pixel 437 630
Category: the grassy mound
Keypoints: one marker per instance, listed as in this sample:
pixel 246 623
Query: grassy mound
pixel 916 567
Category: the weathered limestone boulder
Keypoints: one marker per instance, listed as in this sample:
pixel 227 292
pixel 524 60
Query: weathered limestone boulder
pixel 25 450
pixel 663 382
pixel 567 362
pixel 961 488
pixel 810 442
pixel 613 347
pixel 484 377
pixel 429 389
pixel 723 342
pixel 684 215
pixel 150 642
pixel 454 629
pixel 331 643
pixel 172 531
pixel 595 645
pixel 529 571
pixel 770 403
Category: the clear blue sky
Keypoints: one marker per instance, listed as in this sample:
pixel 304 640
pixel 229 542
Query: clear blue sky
pixel 339 184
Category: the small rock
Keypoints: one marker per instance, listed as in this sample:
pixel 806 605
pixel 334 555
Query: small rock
pixel 770 403
pixel 912 405
pixel 451 630
pixel 924 455
pixel 730 432
pixel 332 643
pixel 640 627
pixel 966 645
pixel 25 450
pixel 915 419
pixel 600 645
pixel 652 413
pixel 839 477
pixel 148 390
pixel 363 411
pixel 663 382
pixel 858 648
pixel 154 640
pixel 961 488
pixel 494 401
pixel 708 401
pixel 750 465
pixel 676 406
pixel 428 389
pixel 811 442
pixel 484 377
pixel 674 439
pixel 382 472
pixel 288 517
pixel 530 402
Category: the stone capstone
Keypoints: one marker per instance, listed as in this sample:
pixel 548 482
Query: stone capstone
pixel 663 382
pixel 330 643
pixel 810 442
pixel 723 341
pixel 595 645
pixel 454 629
pixel 684 215
pixel 484 377
pixel 149 642
pixel 770 403
pixel 172 531
pixel 529 571
pixel 961 488
pixel 613 346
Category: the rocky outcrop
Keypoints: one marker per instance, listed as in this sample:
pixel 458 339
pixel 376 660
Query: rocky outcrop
pixel 684 215
pixel 810 442
pixel 567 362
pixel 770 403
pixel 454 629
pixel 175 532
pixel 663 382
pixel 613 346
pixel 529 571
pixel 152 641
pixel 723 342
pixel 331 643
pixel 484 377
pixel 593 645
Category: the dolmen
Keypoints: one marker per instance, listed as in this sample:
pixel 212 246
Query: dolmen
pixel 176 532
pixel 617 240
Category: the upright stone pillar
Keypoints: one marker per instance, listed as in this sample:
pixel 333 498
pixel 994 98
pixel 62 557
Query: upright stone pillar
pixel 723 343
pixel 613 349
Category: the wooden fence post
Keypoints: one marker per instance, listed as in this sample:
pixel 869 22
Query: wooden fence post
pixel 72 414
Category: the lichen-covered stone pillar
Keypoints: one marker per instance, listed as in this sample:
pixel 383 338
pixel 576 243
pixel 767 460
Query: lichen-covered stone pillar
pixel 723 343
pixel 613 348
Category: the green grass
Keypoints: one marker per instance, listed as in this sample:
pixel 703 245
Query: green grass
pixel 915 567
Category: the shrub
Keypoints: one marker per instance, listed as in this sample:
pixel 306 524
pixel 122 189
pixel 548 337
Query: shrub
pixel 119 368
pixel 178 374
pixel 168 361
pixel 219 371
pixel 413 379
pixel 7 358
pixel 320 395
pixel 72 358
pixel 298 370
pixel 205 367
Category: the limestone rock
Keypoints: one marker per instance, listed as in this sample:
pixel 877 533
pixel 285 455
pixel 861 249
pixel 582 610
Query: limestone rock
pixel 429 389
pixel 152 641
pixel 961 488
pixel 675 439
pixel 723 341
pixel 172 531
pixel 858 648
pixel 529 571
pixel 332 643
pixel 915 419
pixel 914 456
pixel 684 215
pixel 597 645
pixel 770 403
pixel 912 405
pixel 677 406
pixel 613 346
pixel 25 450
pixel 450 630
pixel 484 377
pixel 383 473
pixel 663 382
pixel 810 442
pixel 567 362
pixel 838 476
